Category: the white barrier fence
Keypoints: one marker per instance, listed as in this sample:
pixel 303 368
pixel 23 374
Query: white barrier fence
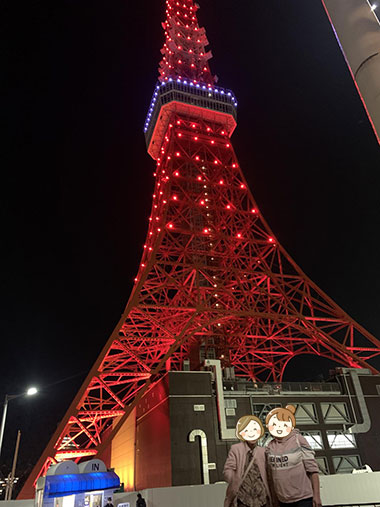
pixel 341 490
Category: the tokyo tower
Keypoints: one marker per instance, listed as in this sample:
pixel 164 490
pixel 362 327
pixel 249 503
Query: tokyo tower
pixel 213 282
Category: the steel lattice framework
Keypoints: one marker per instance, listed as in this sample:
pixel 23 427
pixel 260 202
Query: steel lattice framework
pixel 213 281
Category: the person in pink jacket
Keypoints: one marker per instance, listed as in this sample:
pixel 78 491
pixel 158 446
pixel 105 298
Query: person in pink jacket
pixel 245 467
pixel 292 468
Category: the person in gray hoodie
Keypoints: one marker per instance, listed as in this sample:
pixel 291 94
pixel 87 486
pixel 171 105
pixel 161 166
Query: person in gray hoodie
pixel 292 467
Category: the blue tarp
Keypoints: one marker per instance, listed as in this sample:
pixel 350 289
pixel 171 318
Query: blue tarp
pixel 68 484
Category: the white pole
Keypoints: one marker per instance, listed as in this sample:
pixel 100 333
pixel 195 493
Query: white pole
pixel 357 30
pixel 7 486
pixel 12 474
pixel 5 408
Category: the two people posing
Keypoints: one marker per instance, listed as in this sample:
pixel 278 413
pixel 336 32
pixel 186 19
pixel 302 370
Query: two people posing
pixel 283 474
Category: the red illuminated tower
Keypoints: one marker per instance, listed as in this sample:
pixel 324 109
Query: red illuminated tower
pixel 213 280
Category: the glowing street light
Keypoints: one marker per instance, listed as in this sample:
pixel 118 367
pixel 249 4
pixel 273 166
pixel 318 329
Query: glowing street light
pixel 30 392
pixel 373 7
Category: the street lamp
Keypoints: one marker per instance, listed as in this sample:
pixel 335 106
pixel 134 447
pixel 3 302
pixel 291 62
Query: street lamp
pixel 30 392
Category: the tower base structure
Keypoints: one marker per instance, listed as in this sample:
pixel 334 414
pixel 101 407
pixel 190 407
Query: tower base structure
pixel 182 429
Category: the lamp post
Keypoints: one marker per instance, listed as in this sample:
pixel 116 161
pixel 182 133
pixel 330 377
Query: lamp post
pixel 30 392
pixel 11 476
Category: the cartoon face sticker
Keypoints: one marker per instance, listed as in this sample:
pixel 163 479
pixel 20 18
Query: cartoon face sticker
pixel 281 421
pixel 249 428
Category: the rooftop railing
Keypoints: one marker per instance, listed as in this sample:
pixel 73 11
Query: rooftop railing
pixel 282 387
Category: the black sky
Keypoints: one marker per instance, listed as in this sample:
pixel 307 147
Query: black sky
pixel 77 78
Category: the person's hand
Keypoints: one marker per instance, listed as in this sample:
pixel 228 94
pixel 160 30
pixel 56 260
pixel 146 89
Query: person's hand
pixel 317 501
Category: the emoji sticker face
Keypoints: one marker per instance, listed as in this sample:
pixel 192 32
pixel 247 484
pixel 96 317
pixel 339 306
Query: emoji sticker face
pixel 281 421
pixel 251 432
pixel 249 428
pixel 279 429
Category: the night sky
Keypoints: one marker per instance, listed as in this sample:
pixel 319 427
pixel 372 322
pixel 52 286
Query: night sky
pixel 77 77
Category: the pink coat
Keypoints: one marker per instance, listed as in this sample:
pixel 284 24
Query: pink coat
pixel 234 469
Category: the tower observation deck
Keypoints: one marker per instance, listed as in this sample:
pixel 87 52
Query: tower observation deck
pixel 183 97
pixel 213 282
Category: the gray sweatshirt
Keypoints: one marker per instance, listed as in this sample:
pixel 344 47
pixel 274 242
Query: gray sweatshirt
pixel 290 460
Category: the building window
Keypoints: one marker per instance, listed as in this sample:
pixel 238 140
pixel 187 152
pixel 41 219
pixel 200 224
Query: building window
pixel 306 413
pixel 314 439
pixel 322 465
pixel 341 440
pixel 345 464
pixel 230 403
pixel 261 410
pixel 335 413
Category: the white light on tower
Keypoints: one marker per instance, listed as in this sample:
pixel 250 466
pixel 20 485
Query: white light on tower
pixel 373 7
pixel 31 391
